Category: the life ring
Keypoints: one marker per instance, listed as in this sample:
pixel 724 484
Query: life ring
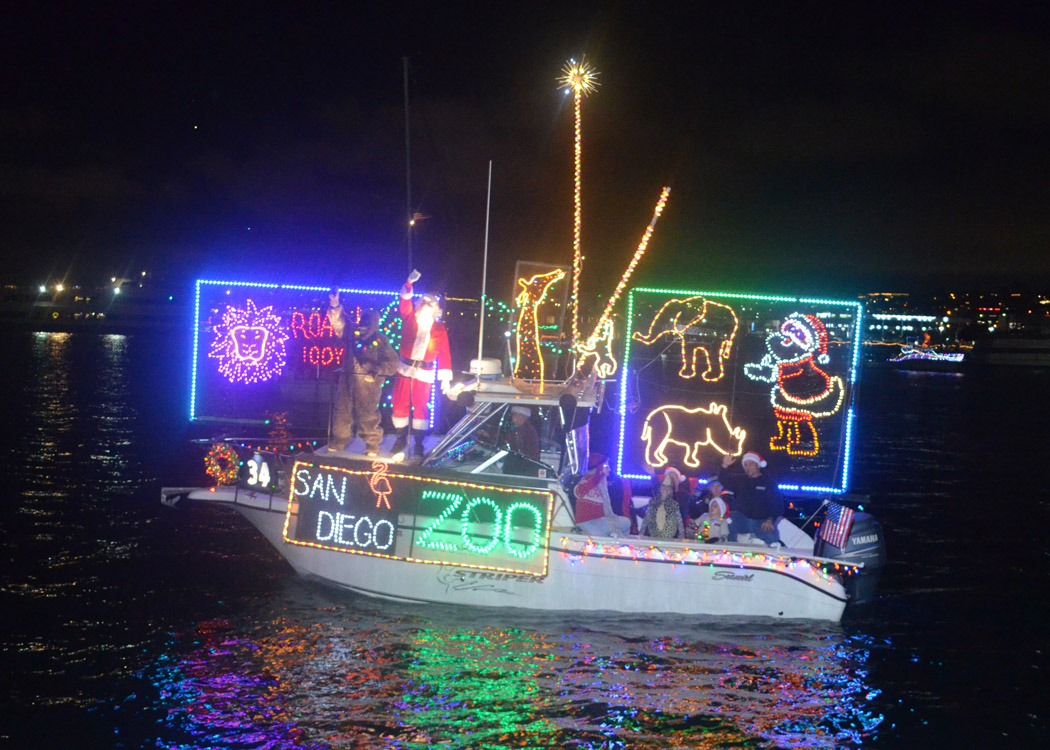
pixel 222 464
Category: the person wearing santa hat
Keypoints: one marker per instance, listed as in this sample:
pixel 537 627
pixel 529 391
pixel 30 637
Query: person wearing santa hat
pixel 714 524
pixel 663 515
pixel 424 354
pixel 593 511
pixel 756 503
pixel 521 436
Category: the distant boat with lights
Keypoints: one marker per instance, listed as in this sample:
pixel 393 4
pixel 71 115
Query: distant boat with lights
pixel 1013 352
pixel 928 358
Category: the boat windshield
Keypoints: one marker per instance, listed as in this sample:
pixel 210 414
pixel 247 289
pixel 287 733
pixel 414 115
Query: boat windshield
pixel 490 448
pixel 476 457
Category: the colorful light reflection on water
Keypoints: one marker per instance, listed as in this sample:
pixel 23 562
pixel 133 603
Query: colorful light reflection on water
pixel 128 625
pixel 346 676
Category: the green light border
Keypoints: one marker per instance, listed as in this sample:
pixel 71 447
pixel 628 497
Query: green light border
pixel 843 469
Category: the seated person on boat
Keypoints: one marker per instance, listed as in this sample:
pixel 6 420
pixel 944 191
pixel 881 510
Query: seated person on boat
pixel 594 513
pixel 757 503
pixel 714 522
pixel 663 516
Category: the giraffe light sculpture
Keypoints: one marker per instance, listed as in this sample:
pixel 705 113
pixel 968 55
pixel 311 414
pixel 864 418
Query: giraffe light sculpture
pixel 528 360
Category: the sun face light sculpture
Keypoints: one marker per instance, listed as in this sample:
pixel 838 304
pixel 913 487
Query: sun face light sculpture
pixel 249 344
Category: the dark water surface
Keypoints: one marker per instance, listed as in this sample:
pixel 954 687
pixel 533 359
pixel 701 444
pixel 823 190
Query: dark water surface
pixel 127 624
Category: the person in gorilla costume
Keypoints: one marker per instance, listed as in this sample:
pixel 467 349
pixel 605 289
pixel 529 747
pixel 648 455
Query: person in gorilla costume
pixel 368 362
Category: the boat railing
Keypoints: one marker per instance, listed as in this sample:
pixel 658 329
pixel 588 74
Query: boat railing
pixel 672 548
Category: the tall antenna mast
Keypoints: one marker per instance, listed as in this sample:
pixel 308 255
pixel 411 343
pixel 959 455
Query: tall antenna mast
pixel 484 270
pixel 408 172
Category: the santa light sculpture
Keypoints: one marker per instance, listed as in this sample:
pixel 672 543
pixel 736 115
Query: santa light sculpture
pixel 801 391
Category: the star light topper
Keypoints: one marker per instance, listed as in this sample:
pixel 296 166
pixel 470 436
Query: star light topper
pixel 249 344
pixel 579 77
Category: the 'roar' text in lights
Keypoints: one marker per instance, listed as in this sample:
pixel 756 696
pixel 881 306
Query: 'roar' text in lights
pixel 321 347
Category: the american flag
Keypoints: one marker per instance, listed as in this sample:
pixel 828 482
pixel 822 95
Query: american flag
pixel 837 524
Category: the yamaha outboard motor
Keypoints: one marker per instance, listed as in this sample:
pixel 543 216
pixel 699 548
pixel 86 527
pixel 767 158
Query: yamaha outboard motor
pixel 865 544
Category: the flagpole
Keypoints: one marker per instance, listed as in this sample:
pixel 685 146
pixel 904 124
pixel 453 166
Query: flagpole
pixel 806 523
pixel 484 270
pixel 408 172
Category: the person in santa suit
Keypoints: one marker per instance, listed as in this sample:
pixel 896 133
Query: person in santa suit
pixel 424 358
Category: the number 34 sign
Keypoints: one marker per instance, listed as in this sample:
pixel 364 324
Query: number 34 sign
pixel 260 473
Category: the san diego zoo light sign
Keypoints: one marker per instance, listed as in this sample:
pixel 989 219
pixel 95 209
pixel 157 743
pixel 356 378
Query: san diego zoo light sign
pixel 370 508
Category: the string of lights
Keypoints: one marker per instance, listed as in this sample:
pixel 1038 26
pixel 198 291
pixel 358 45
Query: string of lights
pixel 409 494
pixel 249 344
pixel 691 429
pixel 581 79
pixel 697 312
pixel 625 277
pixel 222 464
pixel 823 573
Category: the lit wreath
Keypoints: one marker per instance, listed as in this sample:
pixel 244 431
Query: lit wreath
pixel 222 464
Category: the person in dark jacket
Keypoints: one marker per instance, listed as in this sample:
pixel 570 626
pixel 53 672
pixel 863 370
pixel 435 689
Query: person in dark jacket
pixel 756 505
pixel 369 361
pixel 521 436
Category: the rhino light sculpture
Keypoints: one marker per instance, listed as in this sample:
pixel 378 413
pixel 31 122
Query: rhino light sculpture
pixel 691 429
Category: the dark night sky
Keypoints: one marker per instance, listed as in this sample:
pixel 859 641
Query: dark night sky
pixel 811 147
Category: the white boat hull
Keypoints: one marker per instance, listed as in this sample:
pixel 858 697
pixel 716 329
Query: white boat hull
pixel 624 575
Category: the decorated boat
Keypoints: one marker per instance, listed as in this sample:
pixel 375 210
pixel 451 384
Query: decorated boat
pixel 700 375
pixel 925 357
pixel 674 378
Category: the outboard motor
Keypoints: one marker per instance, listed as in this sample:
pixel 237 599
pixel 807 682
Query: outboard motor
pixel 865 544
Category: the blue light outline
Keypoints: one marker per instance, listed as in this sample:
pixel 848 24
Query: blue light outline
pixel 262 285
pixel 848 443
pixel 193 362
